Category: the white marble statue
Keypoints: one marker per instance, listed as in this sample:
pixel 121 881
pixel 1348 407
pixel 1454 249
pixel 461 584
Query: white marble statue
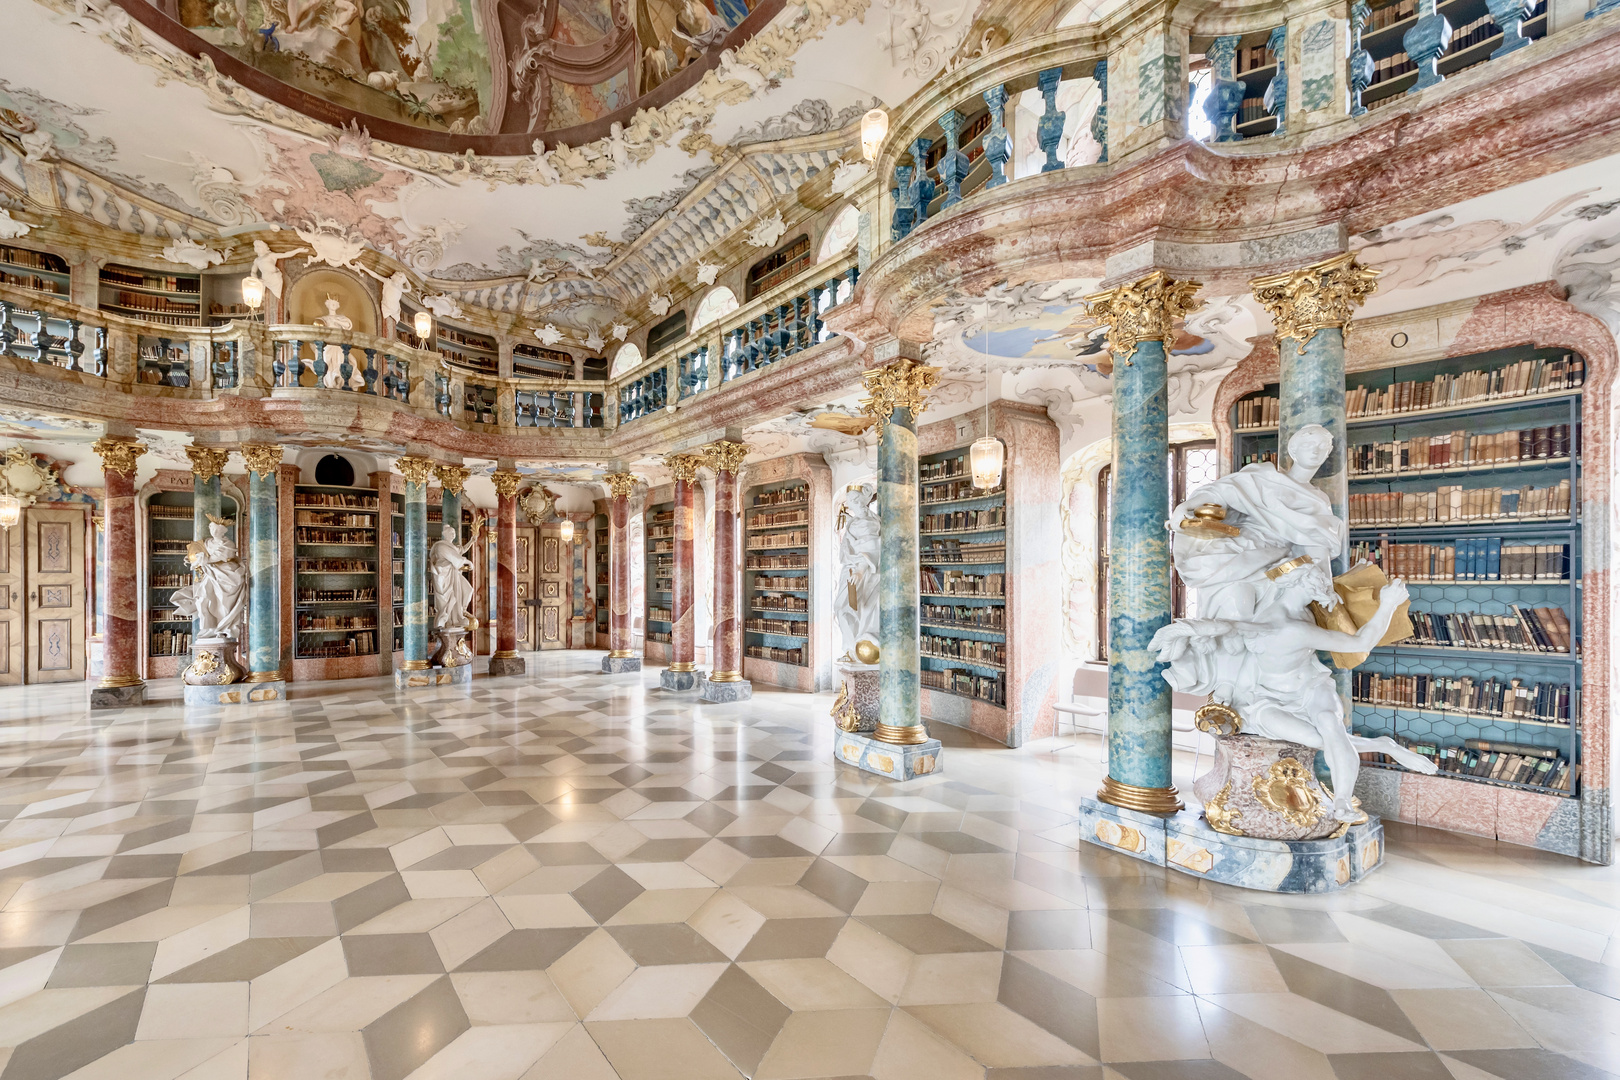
pixel 267 268
pixel 217 595
pixel 332 354
pixel 856 602
pixel 393 290
pixel 452 590
pixel 1254 646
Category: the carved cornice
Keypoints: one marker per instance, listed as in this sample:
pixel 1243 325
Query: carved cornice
pixel 904 384
pixel 118 455
pixel 1144 310
pixel 725 455
pixel 620 484
pixel 263 459
pixel 684 467
pixel 507 482
pixel 1318 297
pixel 415 470
pixel 451 477
pixel 207 462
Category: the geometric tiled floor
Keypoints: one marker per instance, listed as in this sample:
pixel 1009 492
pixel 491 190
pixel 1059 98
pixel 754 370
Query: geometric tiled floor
pixel 579 877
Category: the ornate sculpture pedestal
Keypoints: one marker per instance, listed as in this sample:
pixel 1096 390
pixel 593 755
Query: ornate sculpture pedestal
pixel 887 759
pixel 450 664
pixel 214 677
pixel 672 679
pixel 1266 789
pixel 718 693
pixel 856 709
pixel 617 665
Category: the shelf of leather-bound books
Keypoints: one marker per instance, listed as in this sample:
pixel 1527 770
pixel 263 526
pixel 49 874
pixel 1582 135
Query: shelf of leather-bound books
pixel 335 557
pixel 962 613
pixel 659 580
pixel 599 532
pixel 776 574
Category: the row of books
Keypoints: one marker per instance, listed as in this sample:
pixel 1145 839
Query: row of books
pixel 351 521
pixel 657 614
pixel 1390 14
pixel 147 302
pixel 165 615
pixel 955 551
pixel 660 532
pixel 351 537
pixel 360 643
pixel 1493 698
pixel 1471 33
pixel 1458 504
pixel 168 581
pixel 781 656
pixel 783 496
pixel 166 319
pixel 937 582
pixel 1542 629
pixel 34 260
pixel 1482 558
pixel 663 547
pixel 989 688
pixel 1250 57
pixel 1255 459
pixel 767 541
pixel 771 602
pixel 662 517
pixel 336 566
pixel 169 642
pixel 766 582
pixel 34 282
pixel 1252 109
pixel 1484 384
pixel 170 547
pixel 117 275
pixel 660 635
pixel 347 502
pixel 1260 412
pixel 956 491
pixel 336 596
pixel 779 519
pixel 988 617
pixel 307 621
pixel 991 517
pixel 786 627
pixel 1537 766
pixel 992 653
pixel 777 562
pixel 943 470
pixel 1460 448
pixel 160 512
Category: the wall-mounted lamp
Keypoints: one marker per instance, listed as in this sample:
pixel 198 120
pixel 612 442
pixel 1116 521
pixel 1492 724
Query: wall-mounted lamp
pixel 423 323
pixel 567 531
pixel 10 511
pixel 874 126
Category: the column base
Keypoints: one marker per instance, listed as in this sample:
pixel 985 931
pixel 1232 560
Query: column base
pixel 618 665
pixel 241 693
pixel 678 680
pixel 460 675
pixel 718 693
pixel 501 666
pixel 118 697
pixel 886 759
pixel 1185 842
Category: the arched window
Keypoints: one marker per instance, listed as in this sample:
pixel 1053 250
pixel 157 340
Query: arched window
pixel 626 359
pixel 841 234
pixel 720 302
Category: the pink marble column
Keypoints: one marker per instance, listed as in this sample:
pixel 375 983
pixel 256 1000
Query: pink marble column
pixel 683 636
pixel 121 685
pixel 725 681
pixel 620 656
pixel 505 660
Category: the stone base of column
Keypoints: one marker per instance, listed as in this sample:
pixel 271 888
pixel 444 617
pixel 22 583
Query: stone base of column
pixel 1184 841
pixel 678 680
pixel 460 675
pixel 718 693
pixel 886 759
pixel 241 693
pixel 118 697
pixel 617 665
pixel 500 666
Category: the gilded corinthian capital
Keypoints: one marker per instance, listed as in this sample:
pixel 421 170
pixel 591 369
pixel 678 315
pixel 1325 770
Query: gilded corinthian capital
pixel 1143 310
pixel 620 484
pixel 507 482
pixel 684 467
pixel 118 455
pixel 725 456
pixel 262 459
pixel 904 384
pixel 415 470
pixel 207 462
pixel 1318 297
pixel 451 477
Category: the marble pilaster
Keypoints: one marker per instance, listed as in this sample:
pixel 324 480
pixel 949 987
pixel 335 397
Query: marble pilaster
pixel 416 471
pixel 121 685
pixel 621 657
pixel 724 681
pixel 682 671
pixel 264 562
pixel 505 660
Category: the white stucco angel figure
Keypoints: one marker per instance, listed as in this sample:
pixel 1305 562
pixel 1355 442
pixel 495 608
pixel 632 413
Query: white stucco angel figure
pixel 217 595
pixel 1255 645
pixel 393 291
pixel 658 303
pixel 856 601
pixel 732 70
pixel 452 590
pixel 267 266
pixel 10 227
pixel 541 165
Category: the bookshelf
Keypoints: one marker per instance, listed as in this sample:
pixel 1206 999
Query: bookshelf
pixel 37 271
pixel 170 299
pixel 962 550
pixel 599 554
pixel 1474 36
pixel 535 360
pixel 396 544
pixel 1256 66
pixel 776 576
pixel 467 348
pixel 170 526
pixel 657 645
pixel 335 553
pixel 1464 479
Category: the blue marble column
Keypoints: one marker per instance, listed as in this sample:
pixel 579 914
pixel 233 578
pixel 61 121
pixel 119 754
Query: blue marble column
pixel 1276 97
pixel 899 679
pixel 1426 42
pixel 264 563
pixel 416 471
pixel 1311 391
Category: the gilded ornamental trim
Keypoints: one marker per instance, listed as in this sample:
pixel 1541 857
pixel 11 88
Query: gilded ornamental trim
pixel 725 455
pixel 263 459
pixel 684 467
pixel 507 482
pixel 904 384
pixel 118 455
pixel 1143 310
pixel 620 484
pixel 207 462
pixel 415 470
pixel 1319 297
pixel 451 477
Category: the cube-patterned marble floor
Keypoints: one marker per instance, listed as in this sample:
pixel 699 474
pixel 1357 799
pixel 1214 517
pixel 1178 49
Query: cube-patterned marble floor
pixel 576 876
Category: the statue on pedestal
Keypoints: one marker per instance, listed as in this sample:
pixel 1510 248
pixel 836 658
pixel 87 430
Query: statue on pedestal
pixel 452 591
pixel 856 601
pixel 216 600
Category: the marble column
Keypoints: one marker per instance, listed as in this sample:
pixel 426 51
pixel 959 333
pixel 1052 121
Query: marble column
pixel 264 562
pixel 416 471
pixel 505 660
pixel 1141 319
pixel 452 479
pixel 207 462
pixel 682 671
pixel 724 681
pixel 121 685
pixel 620 656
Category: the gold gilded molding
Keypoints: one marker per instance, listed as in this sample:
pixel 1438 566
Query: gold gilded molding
pixel 620 484
pixel 684 467
pixel 1223 818
pixel 415 470
pixel 903 384
pixel 1319 297
pixel 1147 800
pixel 507 482
pixel 901 734
pixel 1216 718
pixel 263 459
pixel 1285 789
pixel 1143 310
pixel 451 477
pixel 207 462
pixel 725 455
pixel 118 455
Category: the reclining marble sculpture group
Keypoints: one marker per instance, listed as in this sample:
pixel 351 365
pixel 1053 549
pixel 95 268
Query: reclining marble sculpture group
pixel 216 600
pixel 1257 546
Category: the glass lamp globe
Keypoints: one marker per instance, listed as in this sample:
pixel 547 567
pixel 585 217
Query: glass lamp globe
pixel 874 126
pixel 424 324
pixel 986 457
pixel 10 511
pixel 567 531
pixel 253 292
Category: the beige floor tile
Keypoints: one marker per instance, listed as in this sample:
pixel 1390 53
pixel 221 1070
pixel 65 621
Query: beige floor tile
pixel 840 1042
pixel 229 1064
pixel 1502 962
pixel 910 1051
pixel 979 917
pixel 727 922
pixel 996 1036
pixel 350 1005
pixel 1381 969
pixel 1461 1020
pixel 1150 1029
pixel 952 978
pixel 898 898
pixel 39 1013
pixel 662 991
pixel 770 871
pixel 1258 1052
pixel 500 1052
pixel 1232 969
pixel 666 876
pixel 195 1011
pixel 333 1055
pixel 872 960
pixel 590 971
pixel 159 1059
pixel 663 906
pixel 660 1050
pixel 284 988
pixel 463 936
pixel 575 1056
pixel 434 884
pixel 551 879
pixel 811 984
pixel 1098 973
pixel 541 911
pixel 783 901
pixel 28 977
pixel 717 861
pixel 511 997
pixel 1313 1025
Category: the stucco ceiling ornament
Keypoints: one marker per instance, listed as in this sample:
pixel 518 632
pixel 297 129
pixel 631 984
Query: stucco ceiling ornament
pixel 921 42
pixel 767 232
pixel 548 334
pixel 1143 310
pixel 425 249
pixel 10 227
pixel 26 479
pixel 619 331
pixel 538 506
pixel 188 252
pixel 706 272
pixel 903 384
pixel 331 244
pixel 593 339
pixel 444 306
pixel 1319 297
pixel 847 174
pixel 217 191
pixel 658 303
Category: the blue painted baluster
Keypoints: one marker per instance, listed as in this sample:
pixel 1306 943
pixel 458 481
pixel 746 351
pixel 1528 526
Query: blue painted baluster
pixel 1225 100
pixel 953 164
pixel 852 275
pixel 8 329
pixel 1049 132
pixel 816 292
pixel 346 368
pixel 905 215
pixel 1361 61
pixel 369 376
pixel 1426 42
pixel 926 188
pixel 1276 97
pixel 784 331
pixel 99 353
pixel 75 346
pixel 997 143
pixel 43 339
pixel 1508 14
pixel 318 365
pixel 1603 8
pixel 756 346
pixel 1099 119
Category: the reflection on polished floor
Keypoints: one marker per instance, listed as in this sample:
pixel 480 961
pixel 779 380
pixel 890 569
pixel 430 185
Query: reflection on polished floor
pixel 579 877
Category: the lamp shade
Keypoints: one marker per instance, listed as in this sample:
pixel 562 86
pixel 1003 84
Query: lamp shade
pixel 423 323
pixel 874 126
pixel 986 456
pixel 10 511
pixel 567 531
pixel 253 292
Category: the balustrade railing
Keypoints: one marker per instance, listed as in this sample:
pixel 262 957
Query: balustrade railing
pixel 643 396
pixel 315 357
pixel 44 338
